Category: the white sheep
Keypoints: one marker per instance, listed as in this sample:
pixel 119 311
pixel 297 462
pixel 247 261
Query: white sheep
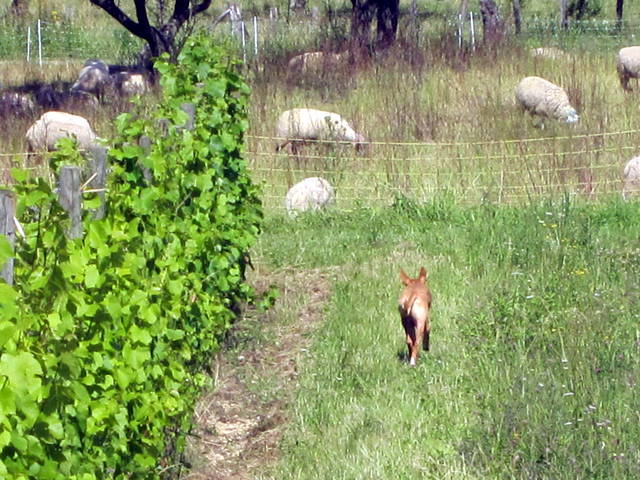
pixel 94 78
pixel 52 126
pixel 298 125
pixel 628 65
pixel 130 83
pixel 542 98
pixel 631 177
pixel 313 193
pixel 312 63
pixel 17 104
pixel 551 53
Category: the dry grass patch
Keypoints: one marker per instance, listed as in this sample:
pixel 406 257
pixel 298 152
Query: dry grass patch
pixel 241 422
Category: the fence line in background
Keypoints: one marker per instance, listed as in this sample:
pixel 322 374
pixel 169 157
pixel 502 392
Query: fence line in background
pixel 589 165
pixel 69 40
pixel 454 144
pixel 504 170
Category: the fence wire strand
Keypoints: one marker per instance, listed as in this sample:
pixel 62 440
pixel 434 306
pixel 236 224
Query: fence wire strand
pixel 504 171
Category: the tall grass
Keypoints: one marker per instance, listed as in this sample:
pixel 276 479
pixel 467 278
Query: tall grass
pixel 535 344
pixel 441 118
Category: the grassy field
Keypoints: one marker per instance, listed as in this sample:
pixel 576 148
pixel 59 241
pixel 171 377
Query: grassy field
pixel 535 327
pixel 535 343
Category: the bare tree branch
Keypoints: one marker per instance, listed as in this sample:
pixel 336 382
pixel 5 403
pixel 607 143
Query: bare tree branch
pixel 180 10
pixel 112 9
pixel 160 38
pixel 141 13
pixel 200 7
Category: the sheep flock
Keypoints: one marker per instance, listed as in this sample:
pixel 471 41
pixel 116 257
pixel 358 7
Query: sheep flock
pixel 295 127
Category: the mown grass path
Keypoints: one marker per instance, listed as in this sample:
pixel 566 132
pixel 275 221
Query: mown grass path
pixel 535 344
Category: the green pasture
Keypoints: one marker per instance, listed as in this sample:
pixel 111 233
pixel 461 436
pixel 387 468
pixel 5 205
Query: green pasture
pixel 535 343
pixel 533 259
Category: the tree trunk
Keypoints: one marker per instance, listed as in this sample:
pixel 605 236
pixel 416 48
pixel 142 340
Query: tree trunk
pixel 517 16
pixel 19 7
pixel 462 11
pixel 159 40
pixel 619 9
pixel 387 28
pixel 581 6
pixel 564 14
pixel 361 17
pixel 492 23
pixel 297 4
pixel 362 13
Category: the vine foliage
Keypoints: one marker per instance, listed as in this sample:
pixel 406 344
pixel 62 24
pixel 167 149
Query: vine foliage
pixel 105 340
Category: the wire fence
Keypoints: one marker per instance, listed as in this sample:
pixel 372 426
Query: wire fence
pixel 53 38
pixel 590 166
pixel 506 171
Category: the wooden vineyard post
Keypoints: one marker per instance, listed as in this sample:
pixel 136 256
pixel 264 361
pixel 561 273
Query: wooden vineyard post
pixel 7 228
pixel 98 165
pixel 70 198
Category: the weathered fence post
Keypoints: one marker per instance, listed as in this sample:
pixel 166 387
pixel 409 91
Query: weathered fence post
pixel 7 228
pixel 190 109
pixel 255 37
pixel 98 167
pixel 145 141
pixel 39 44
pixel 70 198
pixel 28 44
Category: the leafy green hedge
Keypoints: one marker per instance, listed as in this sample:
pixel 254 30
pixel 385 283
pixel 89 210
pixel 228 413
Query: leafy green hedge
pixel 104 340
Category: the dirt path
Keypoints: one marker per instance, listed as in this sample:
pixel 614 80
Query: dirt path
pixel 240 424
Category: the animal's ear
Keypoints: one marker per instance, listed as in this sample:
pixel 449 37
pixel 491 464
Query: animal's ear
pixel 404 278
pixel 423 275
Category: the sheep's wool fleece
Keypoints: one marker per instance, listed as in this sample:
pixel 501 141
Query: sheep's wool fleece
pixel 629 59
pixel 312 62
pixel 551 53
pixel 632 178
pixel 541 97
pixel 313 193
pixel 134 84
pixel 52 126
pixel 93 77
pixel 311 124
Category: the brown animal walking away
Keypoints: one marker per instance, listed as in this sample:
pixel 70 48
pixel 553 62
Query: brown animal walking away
pixel 414 305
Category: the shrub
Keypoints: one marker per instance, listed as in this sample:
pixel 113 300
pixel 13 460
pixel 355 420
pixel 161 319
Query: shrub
pixel 101 363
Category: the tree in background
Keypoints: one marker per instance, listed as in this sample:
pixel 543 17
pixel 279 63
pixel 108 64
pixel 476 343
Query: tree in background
pixel 19 7
pixel 362 14
pixel 517 16
pixel 161 37
pixel 492 23
pixel 579 10
pixel 619 8
pixel 583 9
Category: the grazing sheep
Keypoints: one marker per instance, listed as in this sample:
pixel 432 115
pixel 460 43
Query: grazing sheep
pixel 56 97
pixel 631 178
pixel 52 126
pixel 628 65
pixel 312 63
pixel 94 78
pixel 298 125
pixel 130 83
pixel 542 98
pixel 551 53
pixel 16 104
pixel 313 193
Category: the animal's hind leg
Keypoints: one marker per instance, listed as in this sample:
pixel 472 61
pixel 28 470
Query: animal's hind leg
pixel 411 346
pixel 425 340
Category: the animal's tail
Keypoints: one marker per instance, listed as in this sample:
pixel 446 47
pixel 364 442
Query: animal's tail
pixel 407 305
